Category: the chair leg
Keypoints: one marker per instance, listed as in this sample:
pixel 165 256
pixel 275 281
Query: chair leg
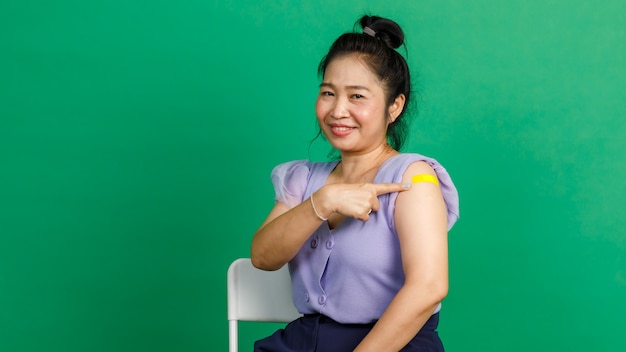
pixel 232 336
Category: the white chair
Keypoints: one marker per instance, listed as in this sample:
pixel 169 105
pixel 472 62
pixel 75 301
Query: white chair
pixel 257 295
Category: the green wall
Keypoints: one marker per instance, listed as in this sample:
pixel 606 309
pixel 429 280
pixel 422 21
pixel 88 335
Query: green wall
pixel 137 138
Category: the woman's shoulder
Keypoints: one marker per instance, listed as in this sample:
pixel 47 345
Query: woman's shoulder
pixel 290 166
pixel 403 160
pixel 395 167
pixel 291 179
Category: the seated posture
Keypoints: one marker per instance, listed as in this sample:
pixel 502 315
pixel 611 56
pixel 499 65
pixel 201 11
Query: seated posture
pixel 364 236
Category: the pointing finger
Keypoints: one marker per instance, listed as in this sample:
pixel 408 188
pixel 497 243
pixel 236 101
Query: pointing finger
pixel 383 188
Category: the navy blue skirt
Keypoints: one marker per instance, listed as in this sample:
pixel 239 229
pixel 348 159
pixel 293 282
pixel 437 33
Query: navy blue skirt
pixel 319 333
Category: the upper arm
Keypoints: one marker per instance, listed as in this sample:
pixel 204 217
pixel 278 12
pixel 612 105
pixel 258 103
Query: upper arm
pixel 421 223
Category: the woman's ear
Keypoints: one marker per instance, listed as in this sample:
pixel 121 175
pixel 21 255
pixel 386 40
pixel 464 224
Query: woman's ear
pixel 395 109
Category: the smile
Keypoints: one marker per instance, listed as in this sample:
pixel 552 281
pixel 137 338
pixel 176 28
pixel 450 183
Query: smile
pixel 341 131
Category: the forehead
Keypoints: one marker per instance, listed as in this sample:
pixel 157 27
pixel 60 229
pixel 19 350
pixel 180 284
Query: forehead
pixel 350 70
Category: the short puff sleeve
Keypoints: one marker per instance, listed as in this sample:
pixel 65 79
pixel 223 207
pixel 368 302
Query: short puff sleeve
pixel 290 180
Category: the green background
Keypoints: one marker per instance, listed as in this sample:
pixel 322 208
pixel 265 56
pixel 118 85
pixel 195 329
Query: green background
pixel 137 138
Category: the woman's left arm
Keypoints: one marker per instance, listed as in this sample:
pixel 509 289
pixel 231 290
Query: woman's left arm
pixel 421 223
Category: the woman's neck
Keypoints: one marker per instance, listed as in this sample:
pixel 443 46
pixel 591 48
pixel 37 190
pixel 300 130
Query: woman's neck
pixel 358 168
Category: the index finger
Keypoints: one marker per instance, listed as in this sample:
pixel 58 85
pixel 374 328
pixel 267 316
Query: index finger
pixel 383 188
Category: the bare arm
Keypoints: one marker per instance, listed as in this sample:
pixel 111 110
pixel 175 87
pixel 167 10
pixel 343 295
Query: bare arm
pixel 282 234
pixel 285 230
pixel 421 222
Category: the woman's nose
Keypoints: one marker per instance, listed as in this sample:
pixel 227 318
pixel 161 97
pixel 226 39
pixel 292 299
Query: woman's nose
pixel 340 109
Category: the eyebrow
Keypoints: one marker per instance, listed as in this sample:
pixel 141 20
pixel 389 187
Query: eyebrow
pixel 353 87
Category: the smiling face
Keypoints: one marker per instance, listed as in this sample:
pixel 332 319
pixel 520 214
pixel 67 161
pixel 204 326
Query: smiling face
pixel 351 106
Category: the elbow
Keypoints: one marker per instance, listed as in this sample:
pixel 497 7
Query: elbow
pixel 439 292
pixel 265 257
pixel 257 260
pixel 432 292
pixel 261 262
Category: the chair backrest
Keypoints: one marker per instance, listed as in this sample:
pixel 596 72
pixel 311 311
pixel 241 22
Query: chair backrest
pixel 257 295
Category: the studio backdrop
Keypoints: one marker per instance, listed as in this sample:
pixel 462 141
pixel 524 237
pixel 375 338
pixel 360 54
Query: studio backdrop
pixel 137 140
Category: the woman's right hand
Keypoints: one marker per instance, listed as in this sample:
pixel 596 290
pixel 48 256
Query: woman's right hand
pixel 353 200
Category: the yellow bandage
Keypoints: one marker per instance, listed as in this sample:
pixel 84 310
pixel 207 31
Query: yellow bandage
pixel 425 178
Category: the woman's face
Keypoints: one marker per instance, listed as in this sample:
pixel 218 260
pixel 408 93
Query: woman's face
pixel 351 106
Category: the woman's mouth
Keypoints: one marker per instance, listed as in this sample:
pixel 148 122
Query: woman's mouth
pixel 341 131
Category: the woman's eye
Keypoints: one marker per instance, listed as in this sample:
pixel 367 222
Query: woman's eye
pixel 357 96
pixel 327 94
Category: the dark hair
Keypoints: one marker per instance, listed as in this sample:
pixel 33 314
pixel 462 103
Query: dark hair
pixel 376 45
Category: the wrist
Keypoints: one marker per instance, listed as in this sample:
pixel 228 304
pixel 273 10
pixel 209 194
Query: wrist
pixel 317 208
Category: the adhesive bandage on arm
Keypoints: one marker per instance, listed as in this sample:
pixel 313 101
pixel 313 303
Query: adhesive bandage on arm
pixel 425 178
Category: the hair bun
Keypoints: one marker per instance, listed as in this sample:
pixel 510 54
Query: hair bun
pixel 384 29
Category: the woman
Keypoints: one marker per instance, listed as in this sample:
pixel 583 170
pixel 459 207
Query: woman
pixel 365 237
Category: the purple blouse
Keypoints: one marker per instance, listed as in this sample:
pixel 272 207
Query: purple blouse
pixel 351 273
